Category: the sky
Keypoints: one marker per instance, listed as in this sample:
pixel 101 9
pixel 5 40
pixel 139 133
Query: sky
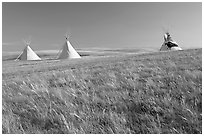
pixel 100 24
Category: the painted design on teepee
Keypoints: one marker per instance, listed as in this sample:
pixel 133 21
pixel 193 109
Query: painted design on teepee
pixel 169 43
pixel 68 51
pixel 28 53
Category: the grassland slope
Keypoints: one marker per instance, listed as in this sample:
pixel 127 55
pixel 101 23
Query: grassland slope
pixel 147 93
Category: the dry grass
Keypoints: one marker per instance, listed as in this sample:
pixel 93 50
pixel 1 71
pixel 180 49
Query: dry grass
pixel 149 93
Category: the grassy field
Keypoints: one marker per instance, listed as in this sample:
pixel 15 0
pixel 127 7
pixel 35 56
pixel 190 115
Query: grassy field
pixel 157 92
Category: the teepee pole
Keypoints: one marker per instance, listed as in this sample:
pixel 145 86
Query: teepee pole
pixel 60 51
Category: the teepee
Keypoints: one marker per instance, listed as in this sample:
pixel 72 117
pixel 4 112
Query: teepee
pixel 28 53
pixel 68 51
pixel 169 44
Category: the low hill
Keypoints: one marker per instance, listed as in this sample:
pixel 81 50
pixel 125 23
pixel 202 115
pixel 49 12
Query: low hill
pixel 84 52
pixel 157 92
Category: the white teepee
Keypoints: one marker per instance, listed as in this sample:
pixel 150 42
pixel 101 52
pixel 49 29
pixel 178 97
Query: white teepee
pixel 28 53
pixel 68 51
pixel 169 44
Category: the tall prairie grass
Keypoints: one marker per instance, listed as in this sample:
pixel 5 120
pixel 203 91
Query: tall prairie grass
pixel 133 94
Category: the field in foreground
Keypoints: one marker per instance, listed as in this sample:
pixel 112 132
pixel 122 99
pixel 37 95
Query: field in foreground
pixel 147 93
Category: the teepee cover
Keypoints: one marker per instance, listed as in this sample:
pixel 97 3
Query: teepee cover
pixel 68 51
pixel 169 44
pixel 28 54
